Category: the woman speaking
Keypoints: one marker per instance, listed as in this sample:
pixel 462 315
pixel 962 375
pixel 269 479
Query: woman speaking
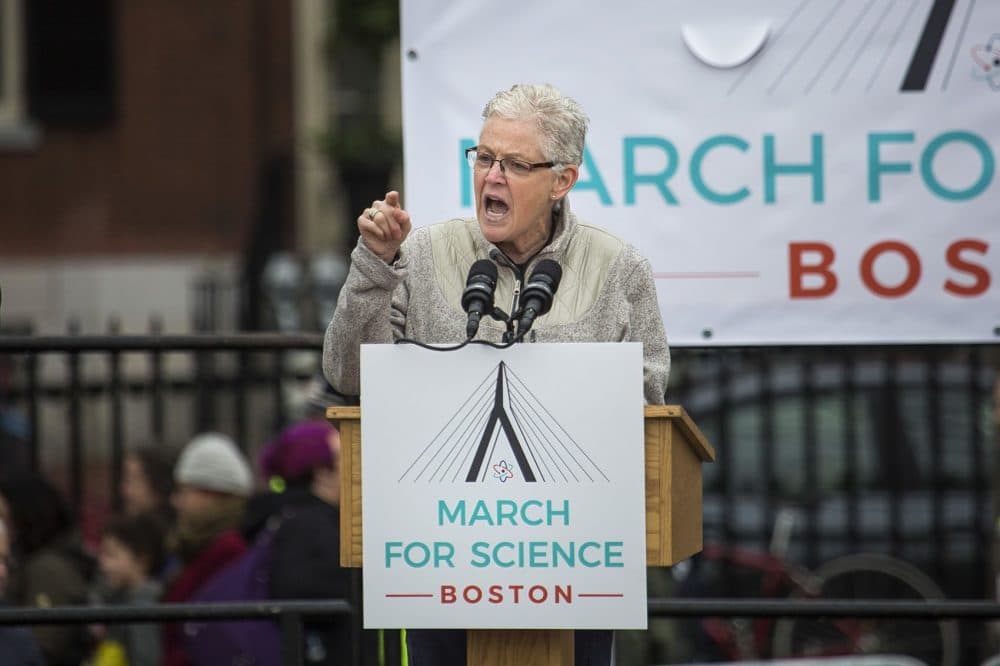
pixel 410 285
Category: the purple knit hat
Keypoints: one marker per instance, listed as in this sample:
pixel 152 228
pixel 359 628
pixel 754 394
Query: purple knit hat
pixel 298 450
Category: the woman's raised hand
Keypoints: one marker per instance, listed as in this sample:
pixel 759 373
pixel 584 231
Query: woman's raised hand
pixel 384 226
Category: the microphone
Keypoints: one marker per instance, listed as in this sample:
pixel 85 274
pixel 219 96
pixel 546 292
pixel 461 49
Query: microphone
pixel 538 293
pixel 477 299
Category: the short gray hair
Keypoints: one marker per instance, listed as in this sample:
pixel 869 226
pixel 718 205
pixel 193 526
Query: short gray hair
pixel 560 119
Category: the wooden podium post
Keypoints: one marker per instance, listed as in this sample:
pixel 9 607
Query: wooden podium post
pixel 674 450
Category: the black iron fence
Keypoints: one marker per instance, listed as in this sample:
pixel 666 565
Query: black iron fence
pixel 69 402
pixel 858 465
pixel 823 452
pixel 291 614
pixel 883 449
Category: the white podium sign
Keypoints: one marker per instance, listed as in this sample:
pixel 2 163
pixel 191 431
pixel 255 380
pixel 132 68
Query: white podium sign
pixel 504 488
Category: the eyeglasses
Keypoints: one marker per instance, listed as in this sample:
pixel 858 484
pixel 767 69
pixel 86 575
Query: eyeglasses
pixel 482 161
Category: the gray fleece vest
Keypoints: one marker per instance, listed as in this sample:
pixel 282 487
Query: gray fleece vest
pixel 607 294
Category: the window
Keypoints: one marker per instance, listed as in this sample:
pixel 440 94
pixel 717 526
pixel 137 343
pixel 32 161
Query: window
pixel 69 63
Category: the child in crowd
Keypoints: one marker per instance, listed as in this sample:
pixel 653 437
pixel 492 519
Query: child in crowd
pixel 132 550
pixel 148 481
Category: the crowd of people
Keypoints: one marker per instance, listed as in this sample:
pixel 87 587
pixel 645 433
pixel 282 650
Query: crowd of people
pixel 190 524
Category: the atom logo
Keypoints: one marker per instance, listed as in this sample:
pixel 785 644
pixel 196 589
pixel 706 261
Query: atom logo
pixel 987 59
pixel 502 471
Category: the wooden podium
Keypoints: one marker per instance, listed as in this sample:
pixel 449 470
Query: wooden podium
pixel 674 450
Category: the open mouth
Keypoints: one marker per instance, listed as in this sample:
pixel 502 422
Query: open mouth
pixel 495 208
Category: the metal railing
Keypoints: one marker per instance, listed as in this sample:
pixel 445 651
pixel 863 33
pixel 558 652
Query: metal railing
pixel 290 614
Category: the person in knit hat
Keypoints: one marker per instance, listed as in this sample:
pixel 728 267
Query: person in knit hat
pixel 212 462
pixel 299 462
pixel 212 482
pixel 300 451
pixel 302 469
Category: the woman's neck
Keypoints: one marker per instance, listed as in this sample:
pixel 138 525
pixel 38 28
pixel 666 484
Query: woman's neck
pixel 532 245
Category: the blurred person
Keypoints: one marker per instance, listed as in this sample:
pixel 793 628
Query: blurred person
pixel 303 465
pixel 213 480
pixel 285 465
pixel 148 481
pixel 17 645
pixel 53 566
pixel 319 396
pixel 295 554
pixel 132 550
pixel 409 285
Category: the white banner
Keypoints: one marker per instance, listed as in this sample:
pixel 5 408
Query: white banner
pixel 796 171
pixel 511 495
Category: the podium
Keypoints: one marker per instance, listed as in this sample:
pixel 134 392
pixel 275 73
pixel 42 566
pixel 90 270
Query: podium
pixel 674 450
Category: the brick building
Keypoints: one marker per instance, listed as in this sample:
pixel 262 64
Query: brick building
pixel 148 145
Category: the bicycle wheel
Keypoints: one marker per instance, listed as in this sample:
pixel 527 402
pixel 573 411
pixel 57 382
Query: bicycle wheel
pixel 869 577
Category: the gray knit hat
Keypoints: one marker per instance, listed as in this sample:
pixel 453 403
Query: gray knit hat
pixel 212 461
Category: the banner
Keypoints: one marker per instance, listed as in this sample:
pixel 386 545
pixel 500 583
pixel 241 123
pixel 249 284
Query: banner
pixel 796 171
pixel 510 496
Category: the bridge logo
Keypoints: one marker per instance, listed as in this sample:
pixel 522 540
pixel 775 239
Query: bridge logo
pixel 502 433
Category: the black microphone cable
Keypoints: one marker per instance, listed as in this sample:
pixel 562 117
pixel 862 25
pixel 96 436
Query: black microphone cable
pixel 477 300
